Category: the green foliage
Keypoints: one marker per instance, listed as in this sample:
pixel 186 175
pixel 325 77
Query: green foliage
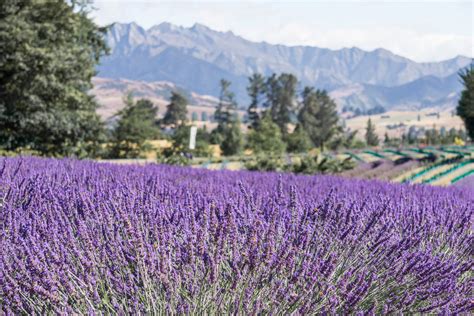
pixel 173 156
pixel 232 140
pixel 227 105
pixel 49 50
pixel 465 108
pixel 265 163
pixel 310 164
pixel 135 125
pixel 176 110
pixel 318 116
pixel 371 137
pixel 432 137
pixel 298 141
pixel 342 139
pixel 307 164
pixel 255 90
pixel 180 140
pixel 281 99
pixel 266 138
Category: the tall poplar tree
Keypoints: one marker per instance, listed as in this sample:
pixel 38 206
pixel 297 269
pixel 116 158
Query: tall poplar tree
pixel 255 91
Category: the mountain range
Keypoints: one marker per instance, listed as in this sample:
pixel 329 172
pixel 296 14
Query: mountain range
pixel 196 58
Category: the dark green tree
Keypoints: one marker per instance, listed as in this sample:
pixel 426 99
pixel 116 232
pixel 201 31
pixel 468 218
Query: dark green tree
pixel 371 137
pixel 232 140
pixel 48 54
pixel 281 99
pixel 180 141
pixel 176 111
pixel 225 116
pixel 465 108
pixel 255 89
pixel 227 105
pixel 266 138
pixel 318 116
pixel 136 123
pixel 386 140
pixel 298 141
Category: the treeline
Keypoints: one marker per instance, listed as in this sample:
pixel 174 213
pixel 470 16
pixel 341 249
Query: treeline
pixel 279 118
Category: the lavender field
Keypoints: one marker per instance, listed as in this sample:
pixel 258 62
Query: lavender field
pixel 88 238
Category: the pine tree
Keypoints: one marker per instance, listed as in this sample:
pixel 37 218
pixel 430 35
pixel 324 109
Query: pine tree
pixel 281 92
pixel 386 140
pixel 49 53
pixel 176 110
pixel 465 108
pixel 232 140
pixel 135 125
pixel 371 137
pixel 318 116
pixel 226 107
pixel 298 141
pixel 255 91
pixel 266 138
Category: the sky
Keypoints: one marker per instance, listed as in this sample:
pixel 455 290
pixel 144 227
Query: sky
pixel 420 30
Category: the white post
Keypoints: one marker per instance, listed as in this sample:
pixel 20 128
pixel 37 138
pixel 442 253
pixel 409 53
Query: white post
pixel 192 137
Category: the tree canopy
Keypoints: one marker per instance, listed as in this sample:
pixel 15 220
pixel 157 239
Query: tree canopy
pixel 371 137
pixel 318 116
pixel 136 123
pixel 266 138
pixel 48 54
pixel 465 107
pixel 176 110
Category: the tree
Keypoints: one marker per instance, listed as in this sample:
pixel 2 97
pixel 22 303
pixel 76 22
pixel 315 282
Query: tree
pixel 281 99
pixel 255 90
pixel 176 111
pixel 266 138
pixel 318 116
pixel 180 141
pixel 227 122
pixel 135 125
pixel 371 137
pixel 465 108
pixel 227 105
pixel 232 138
pixel 298 141
pixel 49 51
pixel 387 139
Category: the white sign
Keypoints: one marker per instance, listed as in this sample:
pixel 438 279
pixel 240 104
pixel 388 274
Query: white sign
pixel 192 137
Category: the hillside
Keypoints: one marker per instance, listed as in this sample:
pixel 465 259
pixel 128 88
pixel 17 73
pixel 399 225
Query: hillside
pixel 196 58
pixel 110 93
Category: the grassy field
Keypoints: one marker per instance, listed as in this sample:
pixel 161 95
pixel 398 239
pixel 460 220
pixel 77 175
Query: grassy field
pixel 408 118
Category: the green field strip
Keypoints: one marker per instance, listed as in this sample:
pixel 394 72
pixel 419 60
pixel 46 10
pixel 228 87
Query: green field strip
pixel 445 178
pixel 396 152
pixel 462 176
pixel 374 153
pixel 445 173
pixel 354 156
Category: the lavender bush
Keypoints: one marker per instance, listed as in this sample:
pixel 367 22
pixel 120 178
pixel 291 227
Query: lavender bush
pixel 82 237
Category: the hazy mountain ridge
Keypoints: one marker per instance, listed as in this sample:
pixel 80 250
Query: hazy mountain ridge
pixel 196 58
